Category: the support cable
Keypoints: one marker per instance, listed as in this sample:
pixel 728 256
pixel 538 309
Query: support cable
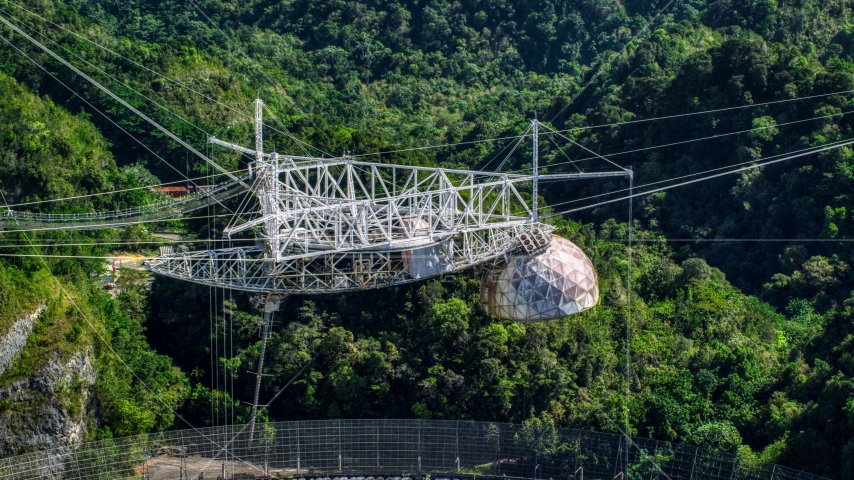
pixel 109 225
pixel 109 120
pixel 636 240
pixel 563 153
pixel 171 80
pixel 432 147
pixel 629 320
pixel 702 179
pixel 584 148
pixel 705 112
pixel 732 240
pixel 230 299
pixel 242 209
pixel 107 49
pixel 616 124
pixel 506 146
pixel 749 162
pixel 498 139
pixel 301 144
pixel 600 70
pixel 124 84
pixel 98 242
pixel 213 292
pixel 229 380
pixel 257 66
pixel 87 257
pixel 535 167
pixel 711 137
pixel 271 305
pixel 111 192
pixel 120 100
pixel 270 402
pixel 510 153
pixel 214 320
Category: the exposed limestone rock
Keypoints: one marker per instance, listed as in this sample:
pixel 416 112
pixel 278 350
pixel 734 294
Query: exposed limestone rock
pixel 50 408
pixel 13 342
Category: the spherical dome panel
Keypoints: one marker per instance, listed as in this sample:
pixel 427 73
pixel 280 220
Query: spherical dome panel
pixel 554 284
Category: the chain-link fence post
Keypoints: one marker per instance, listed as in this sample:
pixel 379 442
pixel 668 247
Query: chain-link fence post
pixel 419 445
pixel 537 453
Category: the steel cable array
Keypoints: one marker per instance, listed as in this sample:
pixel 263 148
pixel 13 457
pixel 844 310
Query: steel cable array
pixel 170 80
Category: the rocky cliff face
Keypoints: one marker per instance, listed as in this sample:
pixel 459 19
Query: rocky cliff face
pixel 14 341
pixel 52 407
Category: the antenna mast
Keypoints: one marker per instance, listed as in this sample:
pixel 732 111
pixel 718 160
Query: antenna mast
pixel 269 197
pixel 536 175
pixel 269 304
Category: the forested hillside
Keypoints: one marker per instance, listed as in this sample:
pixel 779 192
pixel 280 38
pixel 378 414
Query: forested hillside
pixel 741 307
pixel 55 154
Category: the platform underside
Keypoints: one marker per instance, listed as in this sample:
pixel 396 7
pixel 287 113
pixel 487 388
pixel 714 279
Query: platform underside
pixel 253 269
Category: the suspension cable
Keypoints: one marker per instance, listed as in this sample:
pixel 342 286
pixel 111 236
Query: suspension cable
pixel 110 225
pixel 563 153
pixel 686 176
pixel 119 99
pixel 171 80
pixel 600 70
pixel 257 66
pixel 705 112
pixel 301 144
pixel 4 243
pixel 116 354
pixel 584 148
pixel 111 77
pixel 109 120
pixel 615 124
pixel 702 179
pixel 712 137
pixel 111 192
pixel 629 315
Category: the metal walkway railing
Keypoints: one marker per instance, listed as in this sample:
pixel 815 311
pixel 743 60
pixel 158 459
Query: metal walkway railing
pixel 390 449
pixel 20 220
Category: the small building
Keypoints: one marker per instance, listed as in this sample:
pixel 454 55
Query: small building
pixel 176 190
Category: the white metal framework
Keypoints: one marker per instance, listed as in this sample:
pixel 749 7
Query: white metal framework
pixel 335 225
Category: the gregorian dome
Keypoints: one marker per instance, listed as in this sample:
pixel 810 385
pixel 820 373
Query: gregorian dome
pixel 553 284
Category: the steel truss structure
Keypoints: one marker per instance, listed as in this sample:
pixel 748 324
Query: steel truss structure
pixel 389 449
pixel 338 225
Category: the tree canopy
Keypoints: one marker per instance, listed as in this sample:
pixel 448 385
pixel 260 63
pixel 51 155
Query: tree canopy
pixel 741 303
